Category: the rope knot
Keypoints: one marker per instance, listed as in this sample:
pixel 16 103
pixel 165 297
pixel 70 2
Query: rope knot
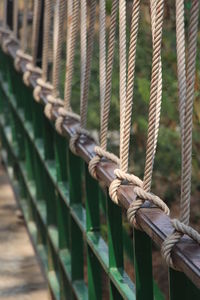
pixel 11 38
pixel 97 158
pixel 174 238
pixel 30 68
pixel 74 139
pixel 41 84
pixel 63 113
pixel 19 56
pixel 122 176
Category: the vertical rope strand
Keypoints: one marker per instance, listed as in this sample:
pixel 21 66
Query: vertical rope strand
pixel 36 24
pixel 84 99
pixel 187 146
pixel 153 122
pixel 125 128
pixel 109 70
pixel 46 39
pixel 122 62
pixel 70 55
pixel 57 44
pixel 102 52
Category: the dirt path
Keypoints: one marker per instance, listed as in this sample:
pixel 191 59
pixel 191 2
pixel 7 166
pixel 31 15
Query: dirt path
pixel 20 275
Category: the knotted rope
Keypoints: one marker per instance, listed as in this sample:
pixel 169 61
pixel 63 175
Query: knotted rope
pixel 31 66
pixel 105 85
pixel 142 189
pixel 13 34
pixel 20 54
pixel 86 79
pixel 71 43
pixel 42 82
pixel 186 80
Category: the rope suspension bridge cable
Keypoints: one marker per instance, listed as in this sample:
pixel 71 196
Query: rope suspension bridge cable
pixel 186 82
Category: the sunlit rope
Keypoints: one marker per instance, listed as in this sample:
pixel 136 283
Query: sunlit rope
pixel 42 82
pixel 86 79
pixel 105 100
pixel 186 98
pixel 31 66
pixel 13 34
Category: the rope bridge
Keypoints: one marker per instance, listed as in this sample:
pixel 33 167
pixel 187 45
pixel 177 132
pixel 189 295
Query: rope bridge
pixel 59 170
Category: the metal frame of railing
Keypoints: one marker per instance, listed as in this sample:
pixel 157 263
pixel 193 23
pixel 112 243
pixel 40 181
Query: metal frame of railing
pixel 49 180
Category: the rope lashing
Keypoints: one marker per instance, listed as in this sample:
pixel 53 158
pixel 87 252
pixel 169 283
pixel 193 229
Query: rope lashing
pixel 20 54
pixel 71 43
pixel 131 67
pixel 42 82
pixel 105 95
pixel 31 66
pixel 186 98
pixel 86 80
pixel 143 191
pixel 13 34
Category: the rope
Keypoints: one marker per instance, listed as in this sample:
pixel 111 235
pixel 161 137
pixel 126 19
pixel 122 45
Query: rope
pixel 20 54
pixel 105 101
pixel 72 34
pixel 86 80
pixel 186 112
pixel 42 82
pixel 31 66
pixel 13 35
pixel 142 190
pixel 53 99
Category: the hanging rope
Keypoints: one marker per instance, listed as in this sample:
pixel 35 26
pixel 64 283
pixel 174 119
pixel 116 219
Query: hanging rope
pixel 86 79
pixel 13 34
pixel 186 98
pixel 20 54
pixel 142 191
pixel 66 109
pixel 42 82
pixel 105 100
pixel 31 66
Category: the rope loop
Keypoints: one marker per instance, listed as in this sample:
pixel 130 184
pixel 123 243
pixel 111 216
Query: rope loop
pixel 74 139
pixel 11 38
pixel 139 191
pixel 63 113
pixel 30 69
pixel 41 85
pixel 100 153
pixel 19 56
pixel 172 240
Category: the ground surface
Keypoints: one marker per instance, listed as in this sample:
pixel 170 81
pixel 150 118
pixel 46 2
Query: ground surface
pixel 20 274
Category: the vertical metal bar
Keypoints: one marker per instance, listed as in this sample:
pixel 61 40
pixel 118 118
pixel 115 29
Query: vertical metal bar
pixel 76 239
pixel 143 266
pixel 115 241
pixel 92 225
pixel 181 287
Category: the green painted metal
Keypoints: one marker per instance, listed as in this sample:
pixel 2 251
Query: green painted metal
pixel 181 287
pixel 64 208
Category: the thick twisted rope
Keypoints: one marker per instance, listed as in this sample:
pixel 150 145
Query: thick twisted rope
pixel 186 112
pixel 72 35
pixel 59 17
pixel 128 104
pixel 105 103
pixel 13 35
pixel 84 95
pixel 31 66
pixel 155 98
pixel 20 54
pixel 42 82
